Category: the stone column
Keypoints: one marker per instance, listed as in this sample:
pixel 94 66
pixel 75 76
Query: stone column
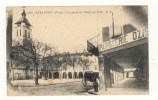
pixel 107 67
pixel 102 86
pixel 104 73
pixel 52 74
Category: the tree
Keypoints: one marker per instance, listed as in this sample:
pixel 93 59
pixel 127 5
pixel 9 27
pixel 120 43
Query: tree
pixel 84 62
pixel 32 50
pixel 48 65
pixel 72 60
pixel 59 60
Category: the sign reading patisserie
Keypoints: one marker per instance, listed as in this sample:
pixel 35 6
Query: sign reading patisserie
pixel 127 38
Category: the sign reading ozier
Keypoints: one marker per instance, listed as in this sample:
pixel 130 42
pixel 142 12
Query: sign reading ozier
pixel 127 38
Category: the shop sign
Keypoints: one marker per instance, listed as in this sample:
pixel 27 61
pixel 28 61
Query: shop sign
pixel 130 37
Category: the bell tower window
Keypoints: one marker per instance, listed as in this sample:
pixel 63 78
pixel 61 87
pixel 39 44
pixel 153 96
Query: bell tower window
pixel 20 32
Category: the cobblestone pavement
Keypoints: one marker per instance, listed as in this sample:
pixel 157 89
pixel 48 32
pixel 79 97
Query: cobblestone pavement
pixel 31 83
pixel 70 88
pixel 128 86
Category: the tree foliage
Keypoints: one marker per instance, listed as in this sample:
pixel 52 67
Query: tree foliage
pixel 84 62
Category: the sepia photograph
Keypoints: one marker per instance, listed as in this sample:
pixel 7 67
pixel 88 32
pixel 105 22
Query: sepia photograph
pixel 77 50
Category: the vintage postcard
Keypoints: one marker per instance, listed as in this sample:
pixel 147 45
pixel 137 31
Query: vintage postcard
pixel 77 50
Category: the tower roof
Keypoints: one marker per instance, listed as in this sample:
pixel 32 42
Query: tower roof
pixel 23 19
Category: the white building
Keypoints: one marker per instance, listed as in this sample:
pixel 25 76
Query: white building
pixel 89 63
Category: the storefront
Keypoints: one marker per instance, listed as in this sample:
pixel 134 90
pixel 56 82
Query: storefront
pixel 126 51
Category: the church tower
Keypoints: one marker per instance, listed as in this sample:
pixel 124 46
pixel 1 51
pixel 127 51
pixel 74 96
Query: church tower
pixel 23 29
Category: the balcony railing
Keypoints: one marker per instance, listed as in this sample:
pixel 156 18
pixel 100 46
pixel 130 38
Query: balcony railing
pixel 92 45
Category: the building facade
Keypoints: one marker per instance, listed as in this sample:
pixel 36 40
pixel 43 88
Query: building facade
pixel 69 71
pixel 116 53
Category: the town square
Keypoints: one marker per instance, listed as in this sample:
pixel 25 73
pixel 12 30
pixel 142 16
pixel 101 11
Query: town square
pixel 82 50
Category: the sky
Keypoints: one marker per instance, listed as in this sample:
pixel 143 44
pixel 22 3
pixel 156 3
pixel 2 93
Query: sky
pixel 69 28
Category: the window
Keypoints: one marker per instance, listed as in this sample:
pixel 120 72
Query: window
pixel 25 33
pixel 20 32
pixel 17 32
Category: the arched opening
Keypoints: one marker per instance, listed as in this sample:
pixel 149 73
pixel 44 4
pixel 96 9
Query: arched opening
pixel 50 75
pixel 70 75
pixel 56 75
pixel 64 75
pixel 80 75
pixel 27 72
